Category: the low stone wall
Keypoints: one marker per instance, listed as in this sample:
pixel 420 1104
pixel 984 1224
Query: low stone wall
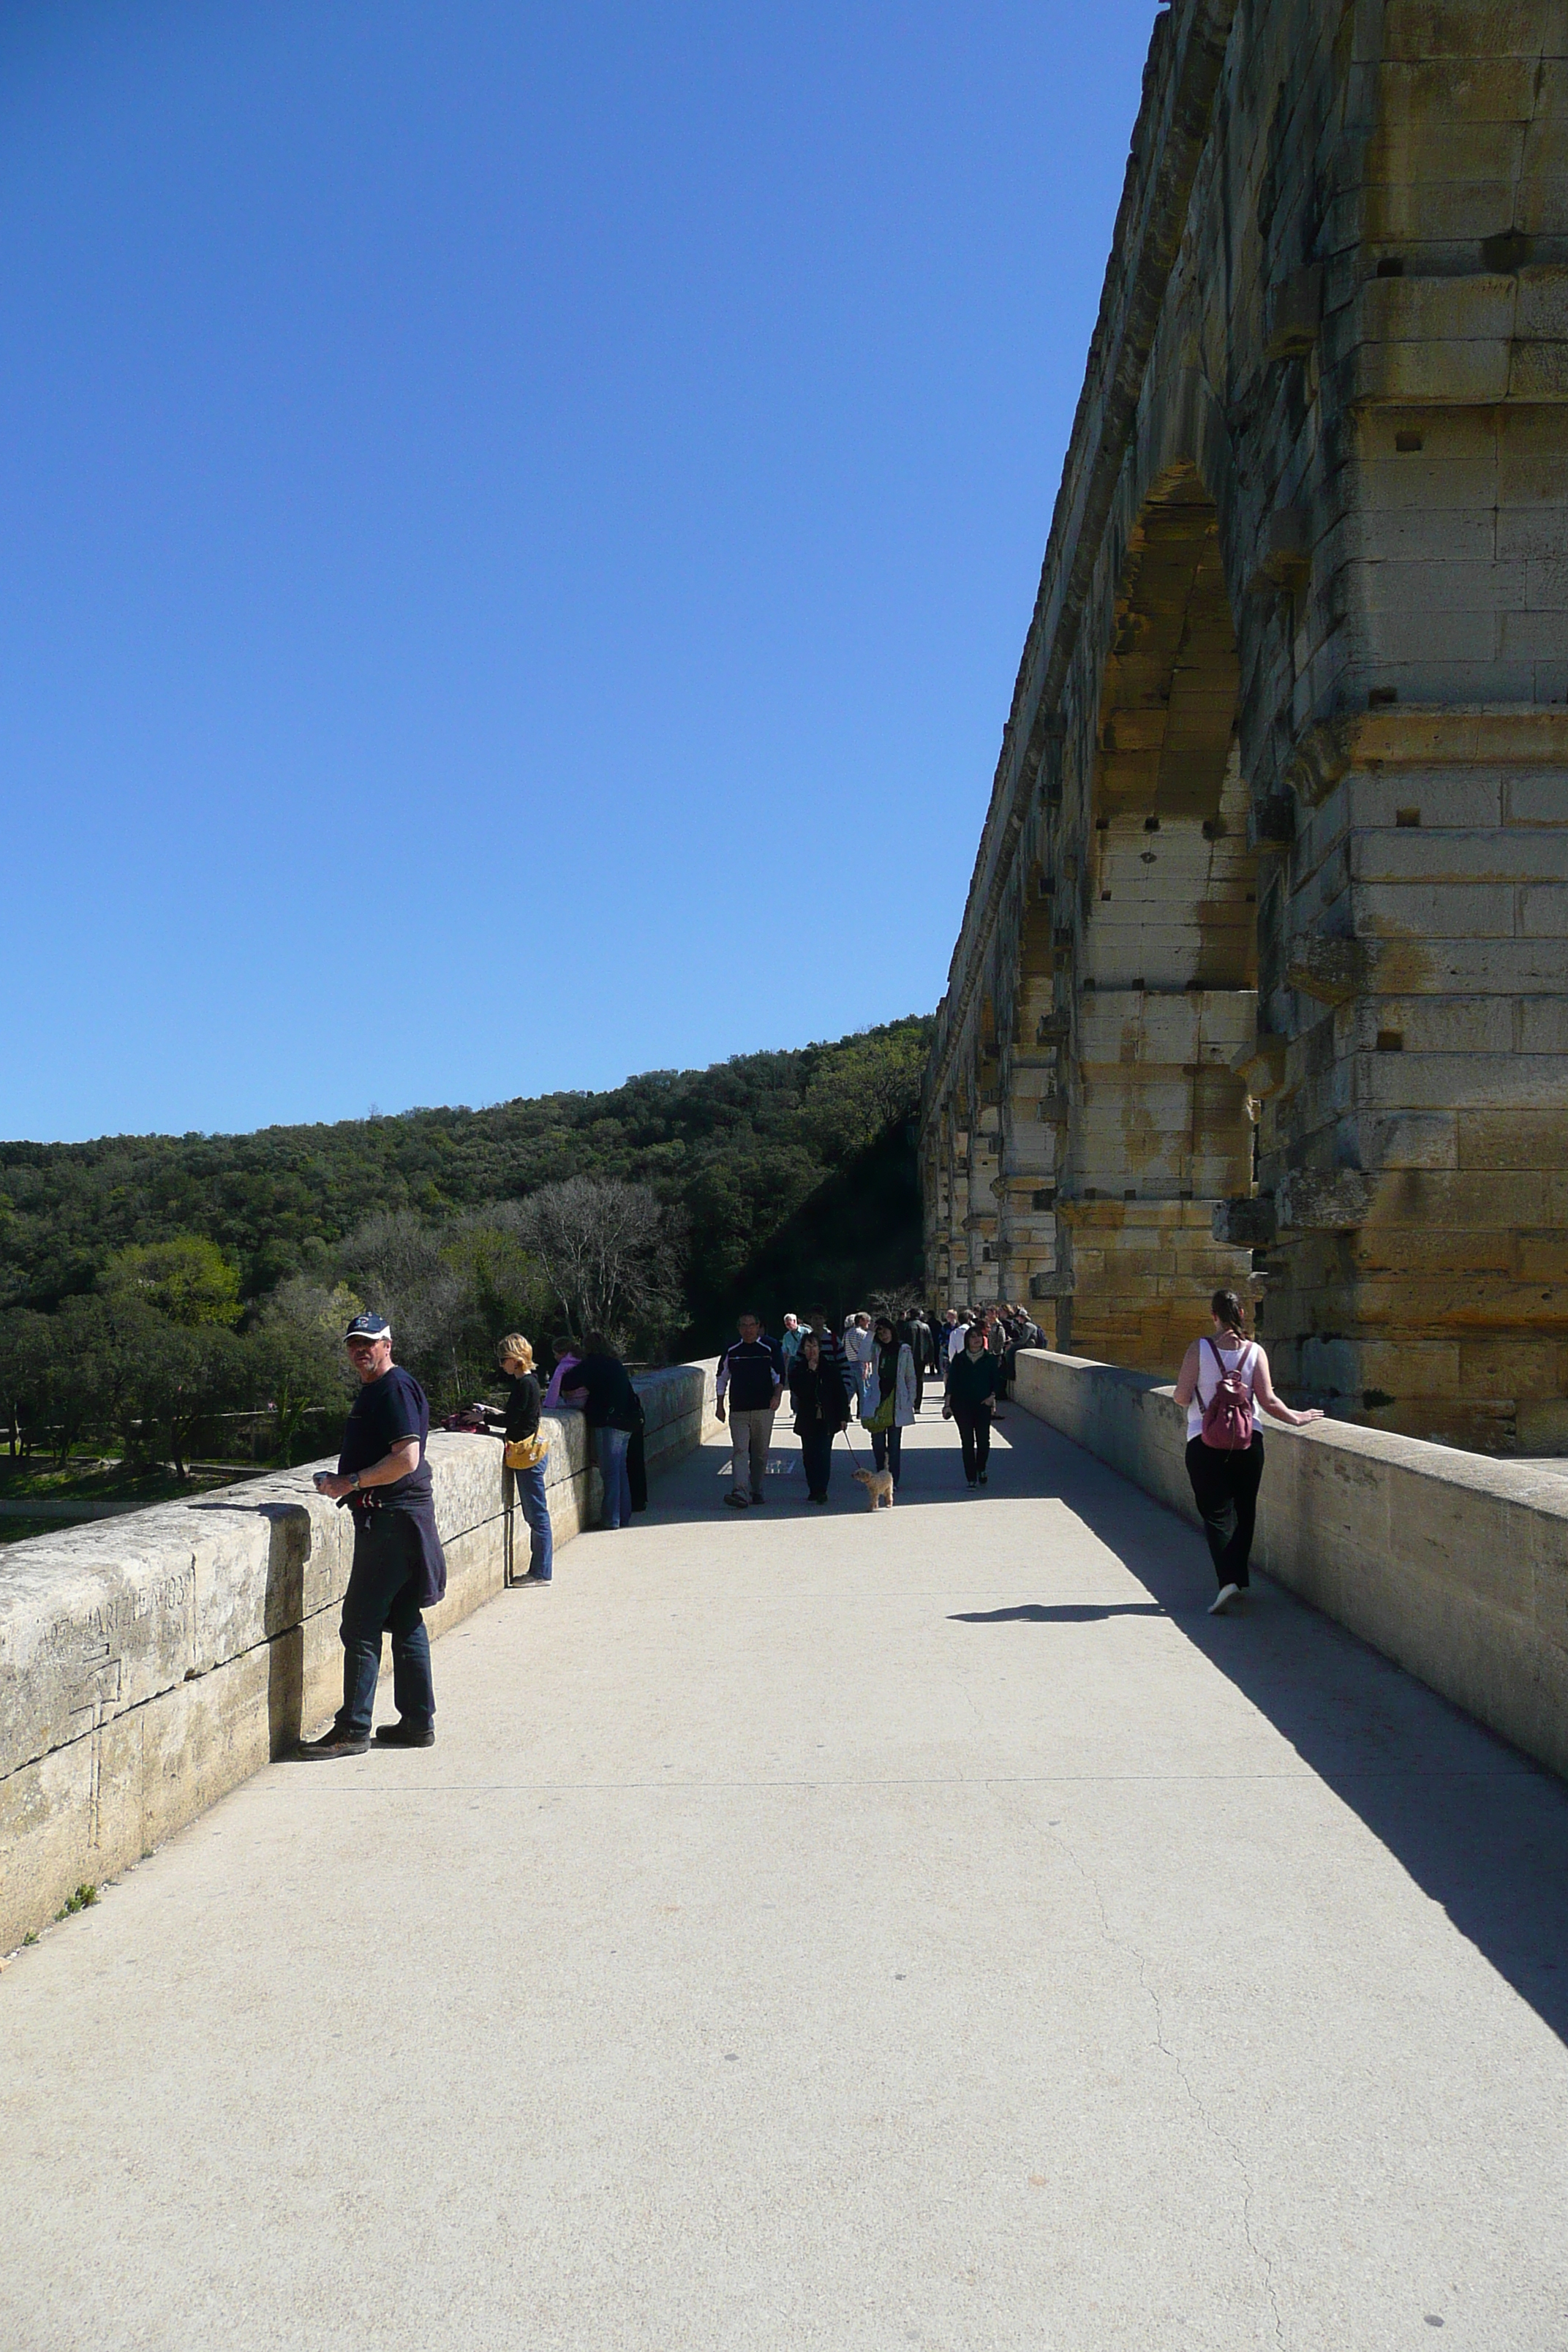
pixel 1454 1565
pixel 149 1664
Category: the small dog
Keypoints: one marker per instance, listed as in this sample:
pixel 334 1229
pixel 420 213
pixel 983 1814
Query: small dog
pixel 878 1485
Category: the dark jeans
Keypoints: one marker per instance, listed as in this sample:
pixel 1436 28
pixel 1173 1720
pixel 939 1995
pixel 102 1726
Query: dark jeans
pixel 529 1488
pixel 974 1436
pixel 613 1444
pixel 884 1449
pixel 381 1597
pixel 816 1455
pixel 1225 1488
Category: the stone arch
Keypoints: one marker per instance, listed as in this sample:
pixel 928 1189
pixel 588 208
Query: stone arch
pixel 1166 966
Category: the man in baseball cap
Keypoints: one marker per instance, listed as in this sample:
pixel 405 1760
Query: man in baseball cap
pixel 398 1569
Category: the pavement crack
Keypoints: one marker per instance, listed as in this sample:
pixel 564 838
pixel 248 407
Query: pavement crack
pixel 1221 2138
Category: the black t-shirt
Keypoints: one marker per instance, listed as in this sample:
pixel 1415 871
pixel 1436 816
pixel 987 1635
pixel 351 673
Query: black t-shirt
pixel 383 1415
pixel 522 1407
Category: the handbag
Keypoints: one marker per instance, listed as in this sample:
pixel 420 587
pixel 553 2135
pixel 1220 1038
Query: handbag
pixel 881 1420
pixel 525 1452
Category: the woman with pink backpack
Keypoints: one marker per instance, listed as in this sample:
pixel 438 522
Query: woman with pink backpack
pixel 1222 1381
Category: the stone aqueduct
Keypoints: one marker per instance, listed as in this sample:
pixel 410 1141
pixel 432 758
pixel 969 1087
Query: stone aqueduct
pixel 1263 973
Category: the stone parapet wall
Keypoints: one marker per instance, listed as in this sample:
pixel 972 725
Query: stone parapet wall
pixel 149 1664
pixel 1453 1566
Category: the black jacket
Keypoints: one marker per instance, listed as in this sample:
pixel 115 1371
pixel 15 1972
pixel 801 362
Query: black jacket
pixel 818 1397
pixel 611 1401
pixel 522 1407
pixel 973 1380
pixel 751 1371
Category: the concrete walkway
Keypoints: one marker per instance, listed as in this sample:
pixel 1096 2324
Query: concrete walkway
pixel 814 1929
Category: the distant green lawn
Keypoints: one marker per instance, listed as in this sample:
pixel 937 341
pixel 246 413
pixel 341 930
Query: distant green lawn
pixel 93 1478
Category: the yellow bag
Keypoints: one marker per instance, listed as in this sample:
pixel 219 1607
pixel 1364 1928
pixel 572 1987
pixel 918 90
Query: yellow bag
pixel 526 1453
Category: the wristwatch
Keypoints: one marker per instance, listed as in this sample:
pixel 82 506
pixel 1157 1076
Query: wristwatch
pixel 354 1482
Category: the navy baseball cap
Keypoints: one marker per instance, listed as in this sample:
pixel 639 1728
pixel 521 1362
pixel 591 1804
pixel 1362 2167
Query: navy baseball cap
pixel 369 1327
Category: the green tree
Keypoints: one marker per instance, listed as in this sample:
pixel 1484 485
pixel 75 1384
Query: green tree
pixel 297 1366
pixel 25 1354
pixel 187 1280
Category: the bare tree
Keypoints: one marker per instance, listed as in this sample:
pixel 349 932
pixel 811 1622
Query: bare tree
pixel 397 1264
pixel 610 1250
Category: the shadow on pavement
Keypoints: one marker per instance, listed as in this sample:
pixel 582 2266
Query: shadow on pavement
pixel 1480 1827
pixel 1072 1613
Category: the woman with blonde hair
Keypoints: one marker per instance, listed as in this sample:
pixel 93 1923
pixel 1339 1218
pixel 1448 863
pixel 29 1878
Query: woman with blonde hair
pixel 526 1448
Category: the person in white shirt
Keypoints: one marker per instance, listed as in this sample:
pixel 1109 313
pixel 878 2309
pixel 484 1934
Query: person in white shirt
pixel 858 1345
pixel 1224 1475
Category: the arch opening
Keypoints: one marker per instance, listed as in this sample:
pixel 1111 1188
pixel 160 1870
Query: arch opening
pixel 1166 982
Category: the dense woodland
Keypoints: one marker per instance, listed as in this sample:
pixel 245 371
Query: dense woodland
pixel 154 1289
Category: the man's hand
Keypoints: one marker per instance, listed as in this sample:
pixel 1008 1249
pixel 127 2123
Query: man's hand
pixel 332 1487
pixel 778 1395
pixel 947 1413
pixel 719 1409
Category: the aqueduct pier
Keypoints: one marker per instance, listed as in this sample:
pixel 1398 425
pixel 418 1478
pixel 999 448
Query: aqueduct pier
pixel 1263 973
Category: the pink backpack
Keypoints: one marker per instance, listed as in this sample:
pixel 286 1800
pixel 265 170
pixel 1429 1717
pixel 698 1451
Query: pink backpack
pixel 1227 1417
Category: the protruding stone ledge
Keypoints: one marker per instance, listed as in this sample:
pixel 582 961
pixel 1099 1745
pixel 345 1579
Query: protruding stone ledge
pixel 1427 735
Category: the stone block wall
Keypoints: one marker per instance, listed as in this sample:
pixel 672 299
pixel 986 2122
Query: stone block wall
pixel 1455 1567
pixel 150 1663
pixel 1263 974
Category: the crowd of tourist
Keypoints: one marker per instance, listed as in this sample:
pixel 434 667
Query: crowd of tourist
pixel 874 1370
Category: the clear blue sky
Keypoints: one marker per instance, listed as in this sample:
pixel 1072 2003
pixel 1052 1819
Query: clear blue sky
pixel 518 526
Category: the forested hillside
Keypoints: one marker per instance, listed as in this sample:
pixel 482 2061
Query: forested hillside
pixel 791 1171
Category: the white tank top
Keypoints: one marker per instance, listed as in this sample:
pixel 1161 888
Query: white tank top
pixel 1208 1379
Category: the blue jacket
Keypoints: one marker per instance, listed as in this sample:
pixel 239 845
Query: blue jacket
pixel 750 1374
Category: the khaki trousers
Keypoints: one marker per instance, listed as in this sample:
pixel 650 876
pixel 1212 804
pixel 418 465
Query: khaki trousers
pixel 750 1434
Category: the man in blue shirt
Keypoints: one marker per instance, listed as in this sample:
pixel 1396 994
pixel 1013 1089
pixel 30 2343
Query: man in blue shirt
pixel 398 1567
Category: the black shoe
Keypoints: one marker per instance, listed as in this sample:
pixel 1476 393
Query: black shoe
pixel 403 1733
pixel 759 1498
pixel 334 1743
pixel 532 1578
pixel 735 1502
pixel 984 1478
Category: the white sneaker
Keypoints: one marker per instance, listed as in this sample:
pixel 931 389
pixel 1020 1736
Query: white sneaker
pixel 1223 1599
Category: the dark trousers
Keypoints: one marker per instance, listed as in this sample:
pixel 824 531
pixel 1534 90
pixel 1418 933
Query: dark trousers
pixel 974 1436
pixel 816 1455
pixel 1225 1488
pixel 382 1597
pixel 886 1444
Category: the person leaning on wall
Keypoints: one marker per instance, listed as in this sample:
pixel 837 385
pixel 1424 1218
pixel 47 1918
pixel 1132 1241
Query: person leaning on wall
pixel 527 1447
pixel 602 1385
pixel 1222 1378
pixel 399 1568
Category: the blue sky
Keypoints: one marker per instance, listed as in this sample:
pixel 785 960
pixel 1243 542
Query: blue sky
pixel 518 527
